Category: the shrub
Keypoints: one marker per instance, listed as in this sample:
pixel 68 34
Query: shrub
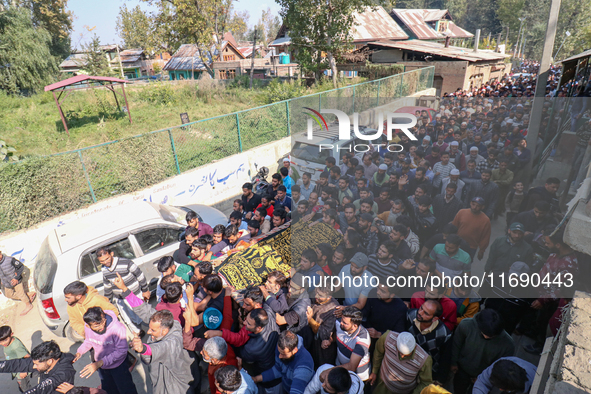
pixel 279 91
pixel 157 93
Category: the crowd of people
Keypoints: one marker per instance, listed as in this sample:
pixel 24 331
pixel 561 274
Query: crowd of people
pixel 423 212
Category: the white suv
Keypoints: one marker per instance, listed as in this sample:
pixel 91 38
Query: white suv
pixel 142 231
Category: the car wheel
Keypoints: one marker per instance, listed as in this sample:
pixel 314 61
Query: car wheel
pixel 72 335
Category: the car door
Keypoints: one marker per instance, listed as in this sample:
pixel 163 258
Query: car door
pixel 89 268
pixel 153 242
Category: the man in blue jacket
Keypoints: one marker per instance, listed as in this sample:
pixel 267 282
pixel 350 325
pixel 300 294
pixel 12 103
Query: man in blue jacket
pixel 507 374
pixel 293 364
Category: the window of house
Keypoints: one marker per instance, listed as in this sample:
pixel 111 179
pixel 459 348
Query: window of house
pixel 231 74
pixel 229 58
pixel 222 74
pixel 443 25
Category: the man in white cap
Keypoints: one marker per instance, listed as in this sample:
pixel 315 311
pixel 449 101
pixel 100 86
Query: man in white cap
pixel 474 155
pixel 426 145
pixel 292 172
pixel 454 177
pixel 399 365
pixel 456 157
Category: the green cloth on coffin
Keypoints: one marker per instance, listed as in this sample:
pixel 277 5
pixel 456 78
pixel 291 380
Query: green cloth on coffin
pixel 275 252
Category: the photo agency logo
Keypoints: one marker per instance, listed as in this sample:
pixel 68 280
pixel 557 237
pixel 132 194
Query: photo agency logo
pixel 398 121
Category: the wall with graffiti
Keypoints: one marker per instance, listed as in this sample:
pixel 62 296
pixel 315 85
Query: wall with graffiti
pixel 206 185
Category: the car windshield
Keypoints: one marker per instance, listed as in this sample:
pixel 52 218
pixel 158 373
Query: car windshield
pixel 308 152
pixel 45 269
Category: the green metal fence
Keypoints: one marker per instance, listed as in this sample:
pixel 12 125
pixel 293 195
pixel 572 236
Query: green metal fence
pixel 74 179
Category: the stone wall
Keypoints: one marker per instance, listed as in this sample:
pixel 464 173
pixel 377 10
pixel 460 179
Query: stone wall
pixel 570 369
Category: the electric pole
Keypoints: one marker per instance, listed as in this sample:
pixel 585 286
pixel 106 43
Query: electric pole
pixel 533 131
pixel 254 45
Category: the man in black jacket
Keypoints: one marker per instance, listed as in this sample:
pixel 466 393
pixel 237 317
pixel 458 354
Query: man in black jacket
pixel 50 368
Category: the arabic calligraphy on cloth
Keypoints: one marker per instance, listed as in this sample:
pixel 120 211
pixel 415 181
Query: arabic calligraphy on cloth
pixel 276 252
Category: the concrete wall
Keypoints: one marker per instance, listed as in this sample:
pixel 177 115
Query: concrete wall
pixel 570 370
pixel 215 184
pixel 454 73
pixel 387 56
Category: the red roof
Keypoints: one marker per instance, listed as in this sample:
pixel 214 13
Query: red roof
pixel 78 79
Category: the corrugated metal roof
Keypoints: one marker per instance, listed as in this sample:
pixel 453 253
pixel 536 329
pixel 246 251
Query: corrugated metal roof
pixel 281 41
pixel 414 20
pixel 376 25
pixel 587 53
pixel 456 31
pixel 74 60
pixel 132 52
pixel 418 22
pixel 437 49
pixel 185 58
pixel 436 15
pixel 81 78
pixel 247 50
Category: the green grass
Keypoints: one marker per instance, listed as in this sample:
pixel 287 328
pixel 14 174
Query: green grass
pixel 33 126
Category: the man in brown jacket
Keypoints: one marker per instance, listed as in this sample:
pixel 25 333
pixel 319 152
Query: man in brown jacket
pixel 81 297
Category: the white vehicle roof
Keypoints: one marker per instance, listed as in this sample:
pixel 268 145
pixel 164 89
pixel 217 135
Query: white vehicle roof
pixel 83 230
pixel 329 136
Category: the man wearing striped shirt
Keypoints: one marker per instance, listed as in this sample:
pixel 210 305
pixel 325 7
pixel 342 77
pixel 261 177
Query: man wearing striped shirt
pixel 353 343
pixel 134 280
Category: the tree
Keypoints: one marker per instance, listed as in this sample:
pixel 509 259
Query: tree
pixel 134 27
pixel 26 62
pixel 202 23
pixel 320 26
pixel 96 59
pixel 54 17
pixel 239 23
pixel 267 27
pixel 51 15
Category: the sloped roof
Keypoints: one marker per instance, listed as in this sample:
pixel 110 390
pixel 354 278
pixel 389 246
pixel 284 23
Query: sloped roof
pixel 586 53
pixel 185 58
pixel 81 78
pixel 437 49
pixel 247 50
pixel 229 37
pixel 416 21
pixel 455 31
pixel 281 41
pixel 74 60
pixel 376 24
pixel 436 15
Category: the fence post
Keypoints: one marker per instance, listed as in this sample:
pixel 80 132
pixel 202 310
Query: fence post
pixel 319 102
pixel 379 84
pixel 353 98
pixel 87 177
pixel 288 121
pixel 401 84
pixel 176 159
pixel 239 137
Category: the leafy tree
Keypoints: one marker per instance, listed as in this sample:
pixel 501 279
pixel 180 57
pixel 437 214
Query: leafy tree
pixel 96 59
pixel 26 63
pixel 320 26
pixel 202 23
pixel 267 27
pixel 239 23
pixel 51 15
pixel 54 17
pixel 134 27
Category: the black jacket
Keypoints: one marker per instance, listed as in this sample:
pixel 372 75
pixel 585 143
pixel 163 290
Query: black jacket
pixel 43 383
